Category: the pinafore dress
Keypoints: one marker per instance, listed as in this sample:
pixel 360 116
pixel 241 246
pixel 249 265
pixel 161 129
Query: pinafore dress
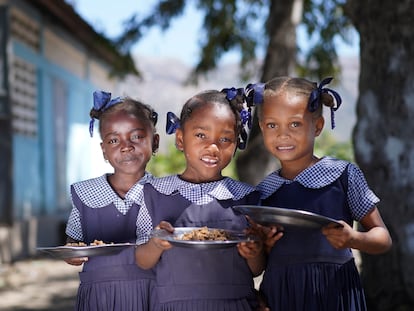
pixel 201 279
pixel 304 272
pixel 112 282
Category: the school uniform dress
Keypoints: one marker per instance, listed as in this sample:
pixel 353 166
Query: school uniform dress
pixel 304 272
pixel 191 279
pixel 112 282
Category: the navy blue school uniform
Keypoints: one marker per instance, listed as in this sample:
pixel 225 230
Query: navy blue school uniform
pixel 111 282
pixel 304 272
pixel 191 279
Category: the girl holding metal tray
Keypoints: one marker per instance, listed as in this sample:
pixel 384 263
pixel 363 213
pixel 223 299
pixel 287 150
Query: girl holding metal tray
pixel 212 279
pixel 105 208
pixel 314 269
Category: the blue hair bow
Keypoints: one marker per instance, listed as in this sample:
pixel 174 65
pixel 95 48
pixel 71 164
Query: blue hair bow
pixel 241 95
pixel 315 98
pixel 232 93
pixel 245 114
pixel 101 102
pixel 254 94
pixel 173 123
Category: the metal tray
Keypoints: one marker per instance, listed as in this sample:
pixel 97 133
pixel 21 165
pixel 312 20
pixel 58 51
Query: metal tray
pixel 175 238
pixel 63 252
pixel 285 217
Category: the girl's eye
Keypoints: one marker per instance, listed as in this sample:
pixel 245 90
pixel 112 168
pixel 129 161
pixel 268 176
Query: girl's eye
pixel 200 135
pixel 112 141
pixel 136 137
pixel 226 140
pixel 271 125
pixel 295 124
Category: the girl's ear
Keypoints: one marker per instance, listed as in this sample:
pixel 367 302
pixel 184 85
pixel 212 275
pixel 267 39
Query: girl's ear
pixel 320 122
pixel 179 139
pixel 155 143
pixel 103 151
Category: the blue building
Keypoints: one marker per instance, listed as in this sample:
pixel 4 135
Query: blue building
pixel 51 61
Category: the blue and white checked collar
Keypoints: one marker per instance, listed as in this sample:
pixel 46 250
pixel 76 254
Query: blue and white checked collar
pixel 319 175
pixel 97 192
pixel 202 193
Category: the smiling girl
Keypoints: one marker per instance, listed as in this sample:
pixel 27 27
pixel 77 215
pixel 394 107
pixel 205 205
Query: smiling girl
pixel 202 279
pixel 106 208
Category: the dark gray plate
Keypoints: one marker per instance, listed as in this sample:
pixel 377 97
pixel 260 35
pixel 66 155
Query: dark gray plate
pixel 63 252
pixel 176 238
pixel 285 217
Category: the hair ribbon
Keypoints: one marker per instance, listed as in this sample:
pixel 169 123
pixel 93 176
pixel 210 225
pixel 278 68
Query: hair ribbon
pixel 173 123
pixel 246 96
pixel 101 102
pixel 254 94
pixel 315 98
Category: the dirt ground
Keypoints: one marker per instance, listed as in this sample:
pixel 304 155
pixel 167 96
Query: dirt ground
pixel 38 284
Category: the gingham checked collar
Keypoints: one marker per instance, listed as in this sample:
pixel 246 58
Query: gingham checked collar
pixel 319 175
pixel 202 193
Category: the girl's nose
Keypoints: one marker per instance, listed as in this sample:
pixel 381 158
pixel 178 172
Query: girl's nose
pixel 283 132
pixel 126 145
pixel 213 147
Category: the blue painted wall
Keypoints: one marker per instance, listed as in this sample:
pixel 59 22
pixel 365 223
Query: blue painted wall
pixel 34 172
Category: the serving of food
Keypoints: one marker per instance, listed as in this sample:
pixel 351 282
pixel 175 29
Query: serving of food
pixel 205 234
pixel 202 237
pixel 94 243
pixel 81 249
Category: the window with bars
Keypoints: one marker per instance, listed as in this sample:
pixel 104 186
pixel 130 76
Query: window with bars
pixel 23 96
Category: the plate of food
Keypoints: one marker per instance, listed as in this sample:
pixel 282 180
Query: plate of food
pixel 202 237
pixel 266 215
pixel 74 250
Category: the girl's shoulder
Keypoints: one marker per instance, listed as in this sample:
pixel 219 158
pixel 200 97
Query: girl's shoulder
pixel 94 192
pixel 91 184
pixel 166 184
pixel 321 174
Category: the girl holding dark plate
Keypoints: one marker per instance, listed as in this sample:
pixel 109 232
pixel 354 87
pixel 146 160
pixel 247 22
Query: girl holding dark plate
pixel 213 279
pixel 314 269
pixel 106 208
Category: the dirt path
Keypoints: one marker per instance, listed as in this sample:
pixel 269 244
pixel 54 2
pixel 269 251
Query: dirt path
pixel 38 284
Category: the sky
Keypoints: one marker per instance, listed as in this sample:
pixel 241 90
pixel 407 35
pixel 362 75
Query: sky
pixel 179 41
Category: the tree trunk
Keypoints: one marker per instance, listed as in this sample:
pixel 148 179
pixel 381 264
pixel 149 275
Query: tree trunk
pixel 383 143
pixel 284 15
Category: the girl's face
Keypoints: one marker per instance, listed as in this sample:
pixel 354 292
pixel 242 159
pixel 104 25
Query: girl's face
pixel 208 140
pixel 288 128
pixel 127 143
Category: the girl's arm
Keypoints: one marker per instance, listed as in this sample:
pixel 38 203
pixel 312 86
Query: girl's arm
pixel 147 255
pixel 254 254
pixel 374 240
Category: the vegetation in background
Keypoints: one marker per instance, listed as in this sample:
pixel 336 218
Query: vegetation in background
pixel 327 145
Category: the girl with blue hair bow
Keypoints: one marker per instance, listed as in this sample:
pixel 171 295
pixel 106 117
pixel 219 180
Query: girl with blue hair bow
pixel 211 126
pixel 107 208
pixel 313 268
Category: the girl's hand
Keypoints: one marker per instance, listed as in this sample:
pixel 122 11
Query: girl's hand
pixel 76 261
pixel 159 243
pixel 269 235
pixel 339 237
pixel 375 239
pixel 250 249
pixel 273 234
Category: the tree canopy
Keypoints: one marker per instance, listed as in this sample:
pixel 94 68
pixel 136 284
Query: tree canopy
pixel 242 26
